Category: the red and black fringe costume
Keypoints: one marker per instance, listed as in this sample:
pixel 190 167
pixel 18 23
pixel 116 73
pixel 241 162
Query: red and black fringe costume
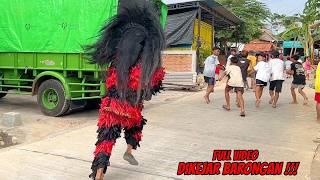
pixel 130 49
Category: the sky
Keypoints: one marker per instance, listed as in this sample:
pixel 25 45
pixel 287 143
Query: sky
pixel 287 7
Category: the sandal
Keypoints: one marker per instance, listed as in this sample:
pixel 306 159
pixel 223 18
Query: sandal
pixel 243 114
pixel 225 107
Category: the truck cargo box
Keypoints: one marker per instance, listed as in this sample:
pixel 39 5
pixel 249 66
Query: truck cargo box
pixel 57 26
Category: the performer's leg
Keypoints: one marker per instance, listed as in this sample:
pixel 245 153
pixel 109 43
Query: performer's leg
pixel 133 137
pixel 106 140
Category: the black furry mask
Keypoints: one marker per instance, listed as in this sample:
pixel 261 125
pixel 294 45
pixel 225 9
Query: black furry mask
pixel 133 36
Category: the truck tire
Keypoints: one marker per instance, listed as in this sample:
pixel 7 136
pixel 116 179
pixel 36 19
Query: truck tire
pixel 51 98
pixel 2 95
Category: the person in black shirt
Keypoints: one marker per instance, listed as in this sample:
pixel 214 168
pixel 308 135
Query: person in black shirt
pixel 244 65
pixel 299 80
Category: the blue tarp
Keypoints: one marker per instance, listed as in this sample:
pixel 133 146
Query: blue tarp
pixel 292 44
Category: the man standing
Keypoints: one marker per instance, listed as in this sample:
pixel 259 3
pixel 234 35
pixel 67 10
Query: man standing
pixel 299 80
pixel 210 66
pixel 244 65
pixel 277 78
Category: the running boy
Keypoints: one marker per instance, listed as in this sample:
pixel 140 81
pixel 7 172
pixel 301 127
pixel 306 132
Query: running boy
pixel 277 78
pixel 235 81
pixel 299 80
pixel 263 70
pixel 210 66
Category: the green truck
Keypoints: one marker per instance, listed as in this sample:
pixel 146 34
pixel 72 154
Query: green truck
pixel 41 51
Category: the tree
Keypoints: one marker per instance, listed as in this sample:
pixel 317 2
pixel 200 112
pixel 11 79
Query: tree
pixel 253 13
pixel 302 31
pixel 312 9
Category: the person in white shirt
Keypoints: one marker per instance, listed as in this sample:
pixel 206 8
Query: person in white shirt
pixel 263 70
pixel 233 53
pixel 277 78
pixel 210 66
pixel 235 82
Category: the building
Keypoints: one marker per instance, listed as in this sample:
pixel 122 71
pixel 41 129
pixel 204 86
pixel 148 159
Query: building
pixel 189 41
pixel 267 42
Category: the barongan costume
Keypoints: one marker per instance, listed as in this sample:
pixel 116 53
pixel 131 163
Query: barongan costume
pixel 130 49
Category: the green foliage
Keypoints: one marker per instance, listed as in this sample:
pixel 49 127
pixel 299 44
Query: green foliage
pixel 312 10
pixel 302 27
pixel 279 21
pixel 252 12
pixel 204 53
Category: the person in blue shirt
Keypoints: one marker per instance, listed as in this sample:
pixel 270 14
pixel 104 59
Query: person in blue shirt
pixel 210 66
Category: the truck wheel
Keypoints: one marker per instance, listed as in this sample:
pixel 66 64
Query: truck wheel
pixel 2 95
pixel 51 98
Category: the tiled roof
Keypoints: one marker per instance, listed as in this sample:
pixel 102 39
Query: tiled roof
pixel 259 46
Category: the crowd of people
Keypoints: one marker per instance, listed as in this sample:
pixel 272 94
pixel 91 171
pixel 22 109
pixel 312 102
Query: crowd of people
pixel 263 70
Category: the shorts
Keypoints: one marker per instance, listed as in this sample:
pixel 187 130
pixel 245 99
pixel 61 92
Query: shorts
pixel 261 83
pixel 236 89
pixel 210 80
pixel 317 97
pixel 308 71
pixel 297 86
pixel 276 86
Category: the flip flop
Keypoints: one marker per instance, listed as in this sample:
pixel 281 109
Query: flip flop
pixel 243 114
pixel 225 108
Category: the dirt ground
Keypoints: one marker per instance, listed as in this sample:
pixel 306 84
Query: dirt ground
pixel 37 126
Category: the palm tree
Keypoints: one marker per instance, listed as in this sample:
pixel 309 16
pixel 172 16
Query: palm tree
pixel 302 27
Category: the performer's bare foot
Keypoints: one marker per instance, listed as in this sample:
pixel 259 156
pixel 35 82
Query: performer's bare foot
pixel 294 102
pixel 274 105
pixel 100 174
pixel 206 98
pixel 305 102
pixel 130 158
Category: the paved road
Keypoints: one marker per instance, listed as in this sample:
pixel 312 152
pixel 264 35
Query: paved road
pixel 185 129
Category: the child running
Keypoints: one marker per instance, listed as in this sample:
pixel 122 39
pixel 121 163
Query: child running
pixel 263 70
pixel 299 80
pixel 235 82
